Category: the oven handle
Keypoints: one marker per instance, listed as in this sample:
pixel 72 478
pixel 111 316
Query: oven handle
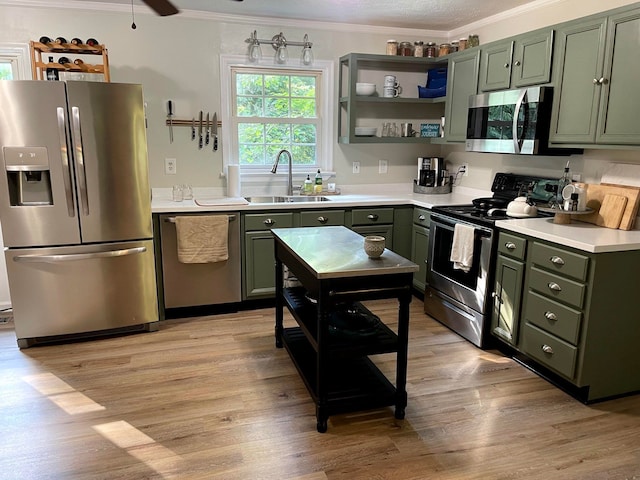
pixel 451 222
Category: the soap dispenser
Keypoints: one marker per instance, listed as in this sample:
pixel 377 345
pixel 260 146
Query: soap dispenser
pixel 308 186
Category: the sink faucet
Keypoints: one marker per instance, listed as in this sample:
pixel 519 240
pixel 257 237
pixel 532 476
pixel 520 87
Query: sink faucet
pixel 275 168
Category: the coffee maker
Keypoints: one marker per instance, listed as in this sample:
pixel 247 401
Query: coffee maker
pixel 431 171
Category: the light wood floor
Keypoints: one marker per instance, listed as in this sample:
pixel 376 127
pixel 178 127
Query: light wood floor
pixel 212 398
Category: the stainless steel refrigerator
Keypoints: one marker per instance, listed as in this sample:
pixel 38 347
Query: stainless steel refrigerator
pixel 75 209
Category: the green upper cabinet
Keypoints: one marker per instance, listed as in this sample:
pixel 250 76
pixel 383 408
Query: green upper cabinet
pixel 596 80
pixel 462 81
pixel 520 62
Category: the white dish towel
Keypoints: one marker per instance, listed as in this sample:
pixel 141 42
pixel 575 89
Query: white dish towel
pixel 462 247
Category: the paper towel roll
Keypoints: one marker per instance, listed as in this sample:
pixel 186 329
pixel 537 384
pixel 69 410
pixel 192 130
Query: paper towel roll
pixel 233 181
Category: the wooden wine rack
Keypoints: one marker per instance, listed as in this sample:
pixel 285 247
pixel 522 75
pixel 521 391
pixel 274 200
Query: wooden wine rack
pixel 39 67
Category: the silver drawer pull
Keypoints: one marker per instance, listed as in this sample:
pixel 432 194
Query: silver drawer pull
pixel 510 246
pixel 323 219
pixel 547 349
pixel 269 222
pixel 554 286
pixel 422 218
pixel 557 260
pixel 372 217
pixel 550 315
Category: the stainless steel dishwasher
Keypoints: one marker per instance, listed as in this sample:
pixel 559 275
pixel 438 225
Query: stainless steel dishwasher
pixel 195 284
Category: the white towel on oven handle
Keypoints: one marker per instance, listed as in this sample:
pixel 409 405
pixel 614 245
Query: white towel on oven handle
pixel 462 247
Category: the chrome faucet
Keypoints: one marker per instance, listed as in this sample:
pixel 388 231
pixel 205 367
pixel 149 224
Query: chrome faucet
pixel 275 168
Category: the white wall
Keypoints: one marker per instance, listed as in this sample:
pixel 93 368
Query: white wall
pixel 178 58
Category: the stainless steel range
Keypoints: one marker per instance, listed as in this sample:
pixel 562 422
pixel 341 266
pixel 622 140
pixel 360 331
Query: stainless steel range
pixel 459 298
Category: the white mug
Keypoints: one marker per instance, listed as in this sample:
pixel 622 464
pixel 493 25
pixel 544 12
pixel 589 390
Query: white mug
pixel 391 92
pixel 573 188
pixel 390 81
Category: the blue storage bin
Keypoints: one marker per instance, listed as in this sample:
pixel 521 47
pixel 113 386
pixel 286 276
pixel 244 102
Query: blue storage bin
pixel 436 84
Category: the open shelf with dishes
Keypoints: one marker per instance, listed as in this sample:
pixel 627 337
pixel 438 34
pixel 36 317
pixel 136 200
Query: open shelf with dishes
pixel 357 111
pixel 68 57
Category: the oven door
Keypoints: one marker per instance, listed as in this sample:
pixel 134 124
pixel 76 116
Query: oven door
pixel 469 288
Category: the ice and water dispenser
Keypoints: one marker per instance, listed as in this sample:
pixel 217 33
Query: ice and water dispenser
pixel 28 175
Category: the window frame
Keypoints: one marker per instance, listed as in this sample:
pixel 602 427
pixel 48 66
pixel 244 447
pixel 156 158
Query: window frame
pixel 17 55
pixel 229 63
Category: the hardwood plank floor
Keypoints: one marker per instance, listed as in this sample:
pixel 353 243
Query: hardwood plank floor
pixel 211 397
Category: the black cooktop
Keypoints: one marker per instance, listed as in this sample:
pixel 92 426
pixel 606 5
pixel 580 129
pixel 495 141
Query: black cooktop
pixel 506 187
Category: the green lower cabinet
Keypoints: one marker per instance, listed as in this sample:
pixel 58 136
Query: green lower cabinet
pixel 260 270
pixel 419 251
pixel 507 299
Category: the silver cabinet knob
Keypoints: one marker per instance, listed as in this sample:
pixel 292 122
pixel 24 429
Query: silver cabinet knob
pixel 373 217
pixel 557 260
pixel 510 246
pixel 422 218
pixel 547 349
pixel 497 297
pixel 554 286
pixel 506 65
pixel 517 63
pixel 322 219
pixel 550 315
pixel 269 222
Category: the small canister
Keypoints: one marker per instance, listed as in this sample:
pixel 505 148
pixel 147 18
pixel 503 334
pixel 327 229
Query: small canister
pixel 430 50
pixel 462 44
pixel 418 49
pixel 454 46
pixel 405 49
pixel 392 47
pixel 445 49
pixel 474 41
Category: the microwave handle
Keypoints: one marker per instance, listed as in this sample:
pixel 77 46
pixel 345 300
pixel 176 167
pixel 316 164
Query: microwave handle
pixel 516 114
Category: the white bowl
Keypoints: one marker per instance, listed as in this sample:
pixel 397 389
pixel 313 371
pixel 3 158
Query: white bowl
pixel 365 89
pixel 366 131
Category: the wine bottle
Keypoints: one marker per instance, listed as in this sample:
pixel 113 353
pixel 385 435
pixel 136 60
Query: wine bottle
pixel 52 73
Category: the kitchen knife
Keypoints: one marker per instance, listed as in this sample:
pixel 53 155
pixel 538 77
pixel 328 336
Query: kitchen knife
pixel 193 128
pixel 200 132
pixel 215 131
pixel 170 117
pixel 208 130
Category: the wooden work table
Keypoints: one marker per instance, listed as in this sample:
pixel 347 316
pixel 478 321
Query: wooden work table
pixel 335 275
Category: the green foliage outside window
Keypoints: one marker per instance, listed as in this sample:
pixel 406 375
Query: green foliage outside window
pixel 276 111
pixel 6 73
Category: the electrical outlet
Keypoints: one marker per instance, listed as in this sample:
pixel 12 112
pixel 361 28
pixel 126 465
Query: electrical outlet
pixel 169 166
pixel 382 166
pixel 464 169
pixel 576 177
pixel 356 167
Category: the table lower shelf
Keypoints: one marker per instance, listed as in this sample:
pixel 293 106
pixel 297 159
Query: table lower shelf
pixel 353 384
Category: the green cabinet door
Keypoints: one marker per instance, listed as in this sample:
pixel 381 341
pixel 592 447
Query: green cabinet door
pixel 532 59
pixel 495 67
pixel 507 298
pixel 419 249
pixel 462 81
pixel 578 60
pixel 259 268
pixel 620 104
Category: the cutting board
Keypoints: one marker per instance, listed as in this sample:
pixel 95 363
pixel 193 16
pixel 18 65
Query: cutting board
pixel 606 214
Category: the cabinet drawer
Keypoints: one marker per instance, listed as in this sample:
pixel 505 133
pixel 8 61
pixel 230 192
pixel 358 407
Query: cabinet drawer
pixel 557 287
pixel 561 261
pixel 512 246
pixel 560 320
pixel 372 216
pixel 317 218
pixel 422 216
pixel 549 350
pixel 266 221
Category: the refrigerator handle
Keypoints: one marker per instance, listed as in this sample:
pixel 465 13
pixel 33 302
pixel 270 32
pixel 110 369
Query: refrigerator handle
pixel 82 176
pixel 69 257
pixel 66 167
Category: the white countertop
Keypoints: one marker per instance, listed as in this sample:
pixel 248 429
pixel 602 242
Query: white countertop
pixel 583 236
pixel 580 235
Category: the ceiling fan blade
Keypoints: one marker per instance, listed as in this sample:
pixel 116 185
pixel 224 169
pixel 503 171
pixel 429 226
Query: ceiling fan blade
pixel 163 8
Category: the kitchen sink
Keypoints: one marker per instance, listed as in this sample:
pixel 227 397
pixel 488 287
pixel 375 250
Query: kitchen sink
pixel 286 199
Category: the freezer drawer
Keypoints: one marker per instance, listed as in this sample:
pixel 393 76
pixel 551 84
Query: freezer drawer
pixel 196 284
pixel 81 289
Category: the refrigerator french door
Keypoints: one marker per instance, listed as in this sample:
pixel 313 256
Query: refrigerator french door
pixel 75 208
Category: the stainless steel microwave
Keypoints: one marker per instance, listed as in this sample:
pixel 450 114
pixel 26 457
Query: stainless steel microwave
pixel 511 121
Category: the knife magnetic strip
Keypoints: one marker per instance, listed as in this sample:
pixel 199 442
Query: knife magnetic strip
pixel 186 123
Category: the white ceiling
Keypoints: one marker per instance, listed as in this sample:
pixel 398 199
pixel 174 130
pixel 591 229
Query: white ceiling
pixel 441 15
